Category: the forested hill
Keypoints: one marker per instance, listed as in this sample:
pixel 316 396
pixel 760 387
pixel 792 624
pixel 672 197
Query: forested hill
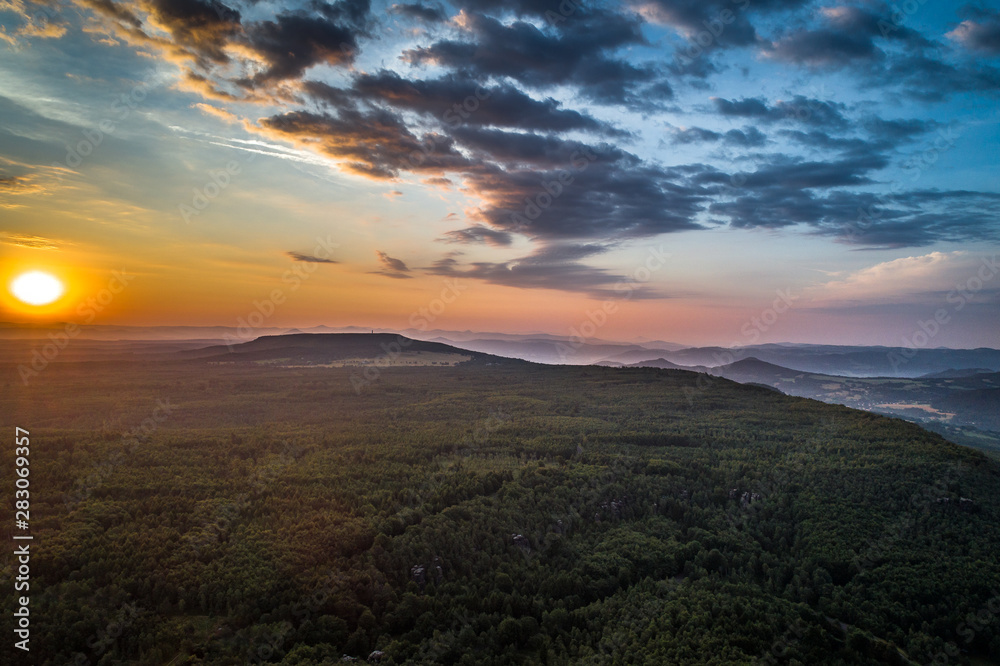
pixel 216 513
pixel 326 348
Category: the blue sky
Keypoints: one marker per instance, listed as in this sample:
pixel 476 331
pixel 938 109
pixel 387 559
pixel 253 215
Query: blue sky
pixel 713 155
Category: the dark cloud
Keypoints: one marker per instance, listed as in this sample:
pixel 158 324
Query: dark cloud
pixel 518 7
pixel 479 234
pixel 202 27
pixel 980 32
pixel 823 48
pixel 691 17
pixel 376 143
pixel 747 137
pixel 684 135
pixel 527 149
pixel 799 108
pixel 847 37
pixel 420 11
pixel 750 107
pixel 392 267
pixel 598 192
pixel 292 43
pixel 461 101
pixel 876 24
pixel 114 10
pixel 827 142
pixel 930 79
pixel 907 219
pixel 898 131
pixel 554 266
pixel 308 258
pixel 574 54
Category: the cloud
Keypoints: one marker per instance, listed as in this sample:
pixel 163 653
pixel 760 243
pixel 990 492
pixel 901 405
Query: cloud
pixel 554 266
pixel 577 191
pixel 420 11
pixel 802 109
pixel 575 54
pixel 377 143
pixel 294 42
pixel 392 267
pixel 932 80
pixel 747 137
pixel 222 114
pixel 478 234
pixel 18 186
pixel 458 100
pixel 38 24
pixel 30 241
pixel 726 21
pixel 847 37
pixel 980 33
pixel 823 48
pixel 915 218
pixel 308 258
pixel 906 279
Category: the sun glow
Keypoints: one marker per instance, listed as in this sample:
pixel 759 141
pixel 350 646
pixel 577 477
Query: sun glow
pixel 37 288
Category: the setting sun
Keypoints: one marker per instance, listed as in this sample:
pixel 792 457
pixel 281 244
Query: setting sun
pixel 36 288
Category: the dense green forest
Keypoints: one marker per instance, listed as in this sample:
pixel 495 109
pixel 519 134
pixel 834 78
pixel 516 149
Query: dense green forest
pixel 197 513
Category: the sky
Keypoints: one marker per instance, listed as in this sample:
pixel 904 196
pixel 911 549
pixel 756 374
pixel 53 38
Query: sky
pixel 697 171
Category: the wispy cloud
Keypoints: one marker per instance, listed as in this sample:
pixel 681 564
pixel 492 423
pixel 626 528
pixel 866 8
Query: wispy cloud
pixel 392 267
pixel 310 259
pixel 29 241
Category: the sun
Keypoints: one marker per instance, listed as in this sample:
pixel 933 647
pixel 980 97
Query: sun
pixel 37 288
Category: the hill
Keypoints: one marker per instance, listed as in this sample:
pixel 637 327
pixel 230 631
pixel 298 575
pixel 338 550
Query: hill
pixel 339 349
pixel 663 364
pixel 233 513
pixel 963 407
pixel 755 370
pixel 842 360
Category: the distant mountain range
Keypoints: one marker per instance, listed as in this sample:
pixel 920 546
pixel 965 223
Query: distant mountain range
pixel 954 392
pixel 847 361
pixel 961 406
pixel 841 360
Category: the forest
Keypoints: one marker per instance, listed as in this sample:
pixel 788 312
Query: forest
pixel 493 512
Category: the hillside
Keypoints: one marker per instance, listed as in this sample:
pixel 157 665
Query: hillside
pixel 844 361
pixel 306 349
pixel 961 406
pixel 234 513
